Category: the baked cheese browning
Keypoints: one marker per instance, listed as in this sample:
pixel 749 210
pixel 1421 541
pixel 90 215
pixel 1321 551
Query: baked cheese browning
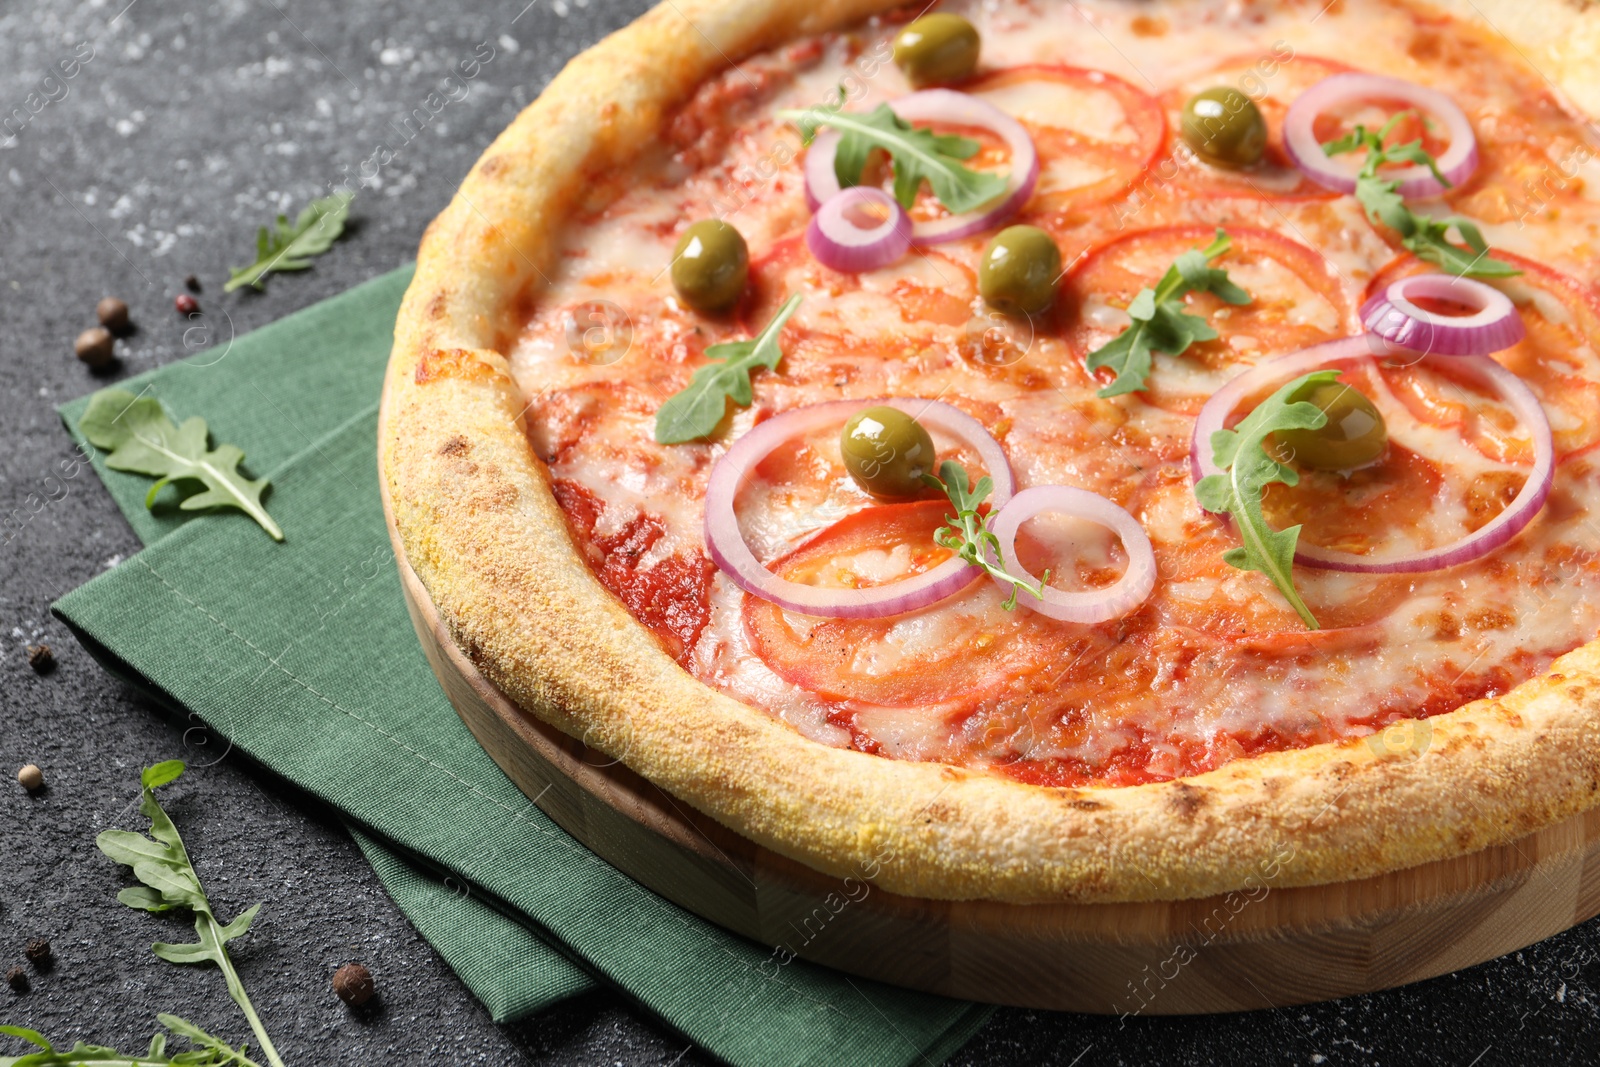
pixel 1214 666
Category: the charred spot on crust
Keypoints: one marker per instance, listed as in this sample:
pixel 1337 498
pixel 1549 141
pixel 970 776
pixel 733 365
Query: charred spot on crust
pixel 1185 800
pixel 1085 804
pixel 437 306
pixel 493 167
pixel 1273 787
pixel 455 446
pixel 498 496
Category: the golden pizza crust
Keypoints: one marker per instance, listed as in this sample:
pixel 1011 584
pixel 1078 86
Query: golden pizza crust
pixel 473 508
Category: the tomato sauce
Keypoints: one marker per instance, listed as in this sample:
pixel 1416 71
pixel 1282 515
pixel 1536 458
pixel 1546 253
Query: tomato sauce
pixel 1214 666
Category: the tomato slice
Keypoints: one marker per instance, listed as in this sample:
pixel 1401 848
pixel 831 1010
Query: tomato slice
pixel 957 650
pixel 1095 133
pixel 919 298
pixel 1272 80
pixel 1298 301
pixel 1559 360
pixel 1533 159
pixel 1357 511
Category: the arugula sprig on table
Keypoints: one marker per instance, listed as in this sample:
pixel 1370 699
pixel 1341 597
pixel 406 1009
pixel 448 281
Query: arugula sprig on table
pixel 917 152
pixel 1160 321
pixel 208 1051
pixel 290 247
pixel 694 412
pixel 161 862
pixel 141 439
pixel 1424 236
pixel 1243 453
pixel 968 534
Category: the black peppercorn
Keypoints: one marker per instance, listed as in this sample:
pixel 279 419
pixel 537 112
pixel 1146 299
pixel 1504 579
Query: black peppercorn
pixel 193 283
pixel 353 983
pixel 17 979
pixel 38 952
pixel 41 659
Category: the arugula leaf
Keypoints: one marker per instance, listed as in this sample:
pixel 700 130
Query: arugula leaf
pixel 209 1051
pixel 290 247
pixel 221 1051
pixel 1242 452
pixel 918 153
pixel 968 534
pixel 1423 235
pixel 162 863
pixel 141 439
pixel 694 412
pixel 1160 322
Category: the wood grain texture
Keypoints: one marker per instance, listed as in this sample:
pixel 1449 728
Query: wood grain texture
pixel 1263 947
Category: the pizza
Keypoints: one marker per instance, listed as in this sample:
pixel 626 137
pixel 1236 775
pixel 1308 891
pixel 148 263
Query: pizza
pixel 1054 452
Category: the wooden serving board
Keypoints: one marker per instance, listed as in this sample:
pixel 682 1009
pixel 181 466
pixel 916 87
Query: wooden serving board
pixel 1272 947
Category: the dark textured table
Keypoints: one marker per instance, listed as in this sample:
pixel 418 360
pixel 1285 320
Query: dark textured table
pixel 192 124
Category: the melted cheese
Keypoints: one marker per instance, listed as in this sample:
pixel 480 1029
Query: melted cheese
pixel 1215 665
pixel 1093 113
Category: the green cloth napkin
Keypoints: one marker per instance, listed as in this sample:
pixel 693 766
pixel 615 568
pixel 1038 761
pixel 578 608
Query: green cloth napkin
pixel 303 656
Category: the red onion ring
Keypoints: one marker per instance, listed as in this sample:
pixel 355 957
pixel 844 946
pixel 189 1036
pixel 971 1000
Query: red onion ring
pixel 839 243
pixel 947 106
pixel 1481 542
pixel 1456 164
pixel 1098 605
pixel 1394 316
pixel 730 553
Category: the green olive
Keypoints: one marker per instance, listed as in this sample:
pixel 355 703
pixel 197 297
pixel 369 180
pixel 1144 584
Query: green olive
pixel 1353 436
pixel 1225 127
pixel 710 265
pixel 887 452
pixel 937 50
pixel 1019 271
